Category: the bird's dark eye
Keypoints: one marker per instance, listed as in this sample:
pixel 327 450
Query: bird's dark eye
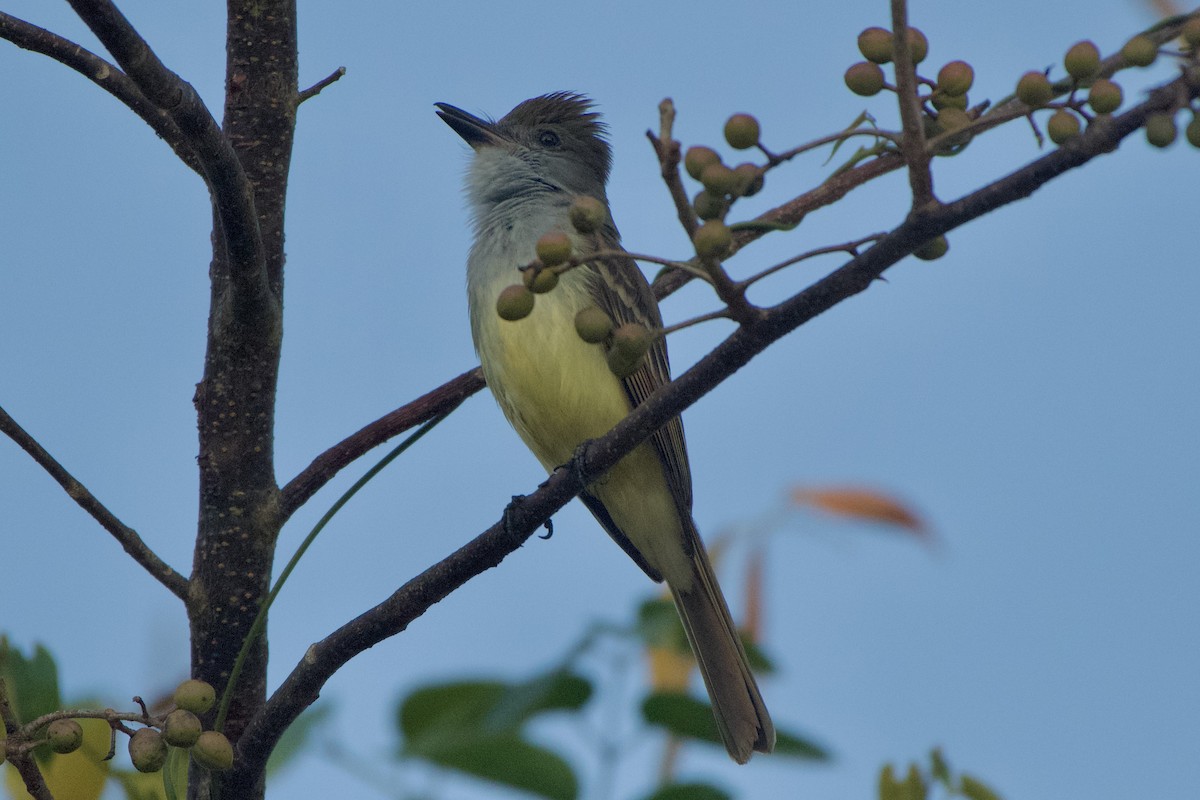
pixel 548 139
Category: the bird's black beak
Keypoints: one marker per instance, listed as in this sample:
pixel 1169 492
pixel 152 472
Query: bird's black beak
pixel 475 131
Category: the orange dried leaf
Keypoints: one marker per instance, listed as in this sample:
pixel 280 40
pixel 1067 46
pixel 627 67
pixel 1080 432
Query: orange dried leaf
pixel 863 504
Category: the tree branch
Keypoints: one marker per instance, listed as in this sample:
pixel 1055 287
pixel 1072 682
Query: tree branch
pixel 322 469
pixel 920 178
pixel 24 763
pixel 523 518
pixel 105 75
pixel 128 538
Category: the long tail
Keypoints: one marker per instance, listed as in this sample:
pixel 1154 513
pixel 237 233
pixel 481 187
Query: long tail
pixel 741 714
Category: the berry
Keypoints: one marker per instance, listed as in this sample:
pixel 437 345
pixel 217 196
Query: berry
pixel 955 78
pixel 629 345
pixel 953 119
pixel 941 100
pixel 1082 60
pixel 195 696
pixel 514 302
pixel 742 131
pixel 1161 130
pixel 712 239
pixel 864 78
pixel 718 179
pixel 1192 131
pixel 1140 51
pixel 933 249
pixel 64 735
pixel 539 281
pixel 1105 96
pixel 587 214
pixel 213 751
pixel 697 158
pixel 708 205
pixel 147 750
pixel 593 325
pixel 750 180
pixel 1063 125
pixel 181 728
pixel 554 248
pixel 876 45
pixel 1034 89
pixel 918 45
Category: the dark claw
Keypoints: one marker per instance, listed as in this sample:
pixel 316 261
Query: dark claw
pixel 549 525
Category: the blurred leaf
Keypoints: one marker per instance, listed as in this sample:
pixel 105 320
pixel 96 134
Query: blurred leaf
pixel 76 776
pixel 175 773
pixel 914 784
pixel 32 682
pixel 510 760
pixel 975 789
pixel 796 746
pixel 862 504
pixel 682 715
pixel 141 785
pixel 295 738
pixel 889 788
pixel 690 791
pixel 552 691
pixel 757 657
pixel 938 768
pixel 659 626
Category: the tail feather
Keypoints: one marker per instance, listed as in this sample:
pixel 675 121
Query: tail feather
pixel 741 715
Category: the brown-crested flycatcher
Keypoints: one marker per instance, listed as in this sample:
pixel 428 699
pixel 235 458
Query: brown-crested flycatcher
pixel 558 391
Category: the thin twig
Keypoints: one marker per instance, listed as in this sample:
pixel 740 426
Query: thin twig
pixel 668 148
pixel 127 537
pixel 916 155
pixel 317 87
pixel 849 247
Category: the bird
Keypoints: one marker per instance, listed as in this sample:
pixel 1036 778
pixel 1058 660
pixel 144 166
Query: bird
pixel 558 391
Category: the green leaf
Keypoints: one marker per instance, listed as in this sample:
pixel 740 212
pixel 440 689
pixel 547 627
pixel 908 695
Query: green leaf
pixel 511 761
pixel 296 737
pixel 794 745
pixel 682 715
pixel 659 626
pixel 557 690
pixel 32 682
pixel 690 791
pixel 939 769
pixel 975 789
pixel 759 661
pixel 175 773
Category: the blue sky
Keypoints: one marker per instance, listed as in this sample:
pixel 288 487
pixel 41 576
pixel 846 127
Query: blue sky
pixel 1032 394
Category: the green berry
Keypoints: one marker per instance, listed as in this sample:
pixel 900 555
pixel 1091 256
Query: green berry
pixel 181 728
pixel 953 119
pixel 587 214
pixel 514 302
pixel 1161 130
pixel 718 179
pixel 1063 126
pixel 750 180
pixel 742 131
pixel 865 78
pixel 1034 89
pixel 213 751
pixel 539 281
pixel 712 239
pixel 64 735
pixel 1192 131
pixel 195 696
pixel 147 750
pixel 593 325
pixel 1082 60
pixel 955 78
pixel 933 249
pixel 554 248
pixel 629 345
pixel 1105 96
pixel 697 158
pixel 918 45
pixel 708 205
pixel 941 100
pixel 1191 32
pixel 875 44
pixel 1140 51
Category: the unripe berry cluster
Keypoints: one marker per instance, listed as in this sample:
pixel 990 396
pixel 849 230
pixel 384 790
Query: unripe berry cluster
pixel 148 746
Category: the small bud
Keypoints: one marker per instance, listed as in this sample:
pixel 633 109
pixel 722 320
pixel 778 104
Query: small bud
pixel 514 302
pixel 1034 89
pixel 750 179
pixel 64 735
pixel 554 248
pixel 1063 126
pixel 147 750
pixel 1191 32
pixel 697 158
pixel 593 325
pixel 181 728
pixel 1105 96
pixel 955 78
pixel 1192 131
pixel 1161 130
pixel 708 205
pixel 195 696
pixel 712 239
pixel 918 45
pixel 864 78
pixel 718 179
pixel 875 44
pixel 213 751
pixel 539 280
pixel 629 345
pixel 742 131
pixel 587 214
pixel 1082 60
pixel 1140 51
pixel 933 249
